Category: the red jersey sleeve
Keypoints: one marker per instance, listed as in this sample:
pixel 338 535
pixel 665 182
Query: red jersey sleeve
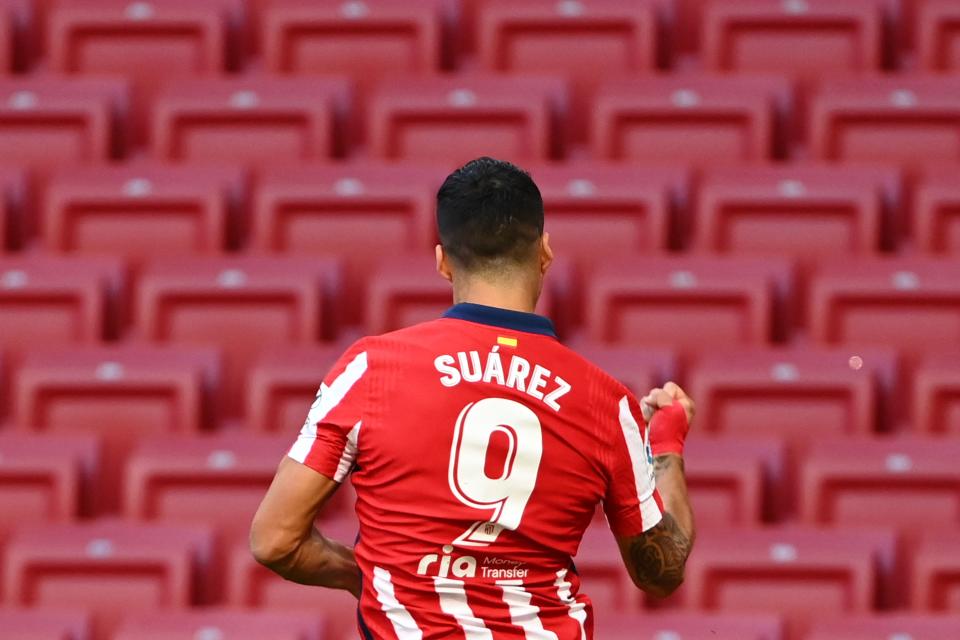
pixel 328 440
pixel 631 503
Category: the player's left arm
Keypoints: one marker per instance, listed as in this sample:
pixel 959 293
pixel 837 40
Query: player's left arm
pixel 283 536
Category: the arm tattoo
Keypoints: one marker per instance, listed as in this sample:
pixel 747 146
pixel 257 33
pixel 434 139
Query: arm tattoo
pixel 659 555
pixel 662 463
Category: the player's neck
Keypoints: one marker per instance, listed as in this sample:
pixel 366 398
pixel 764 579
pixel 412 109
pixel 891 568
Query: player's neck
pixel 490 295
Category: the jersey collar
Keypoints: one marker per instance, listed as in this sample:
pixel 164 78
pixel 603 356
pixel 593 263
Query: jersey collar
pixel 504 318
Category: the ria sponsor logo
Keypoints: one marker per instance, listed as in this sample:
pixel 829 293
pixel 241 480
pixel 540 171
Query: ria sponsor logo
pixel 447 565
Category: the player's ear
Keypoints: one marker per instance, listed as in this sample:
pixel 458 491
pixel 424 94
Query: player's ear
pixel 546 253
pixel 443 265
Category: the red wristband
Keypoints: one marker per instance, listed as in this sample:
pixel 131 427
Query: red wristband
pixel 668 429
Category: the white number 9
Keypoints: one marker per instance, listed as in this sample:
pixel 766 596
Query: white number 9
pixel 507 495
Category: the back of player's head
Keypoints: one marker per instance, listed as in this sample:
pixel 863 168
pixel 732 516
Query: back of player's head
pixel 490 216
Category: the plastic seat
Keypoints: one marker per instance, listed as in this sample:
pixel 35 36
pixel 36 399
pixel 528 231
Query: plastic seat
pixel 117 393
pixel 806 39
pixel 935 573
pixel 686 304
pixel 8 49
pixel 889 626
pixel 240 305
pixel 689 626
pixel 44 479
pixel 936 214
pixel 257 121
pixel 872 301
pixel 698 120
pixel 908 120
pixel 109 568
pixel 45 624
pixel 283 383
pixel 46 122
pixel 806 212
pixel 221 623
pixel 936 395
pixel 140 212
pixel 352 212
pixel 12 218
pixel 450 120
pixel 802 394
pixel 939 42
pixel 638 368
pixel 572 39
pixel 48 301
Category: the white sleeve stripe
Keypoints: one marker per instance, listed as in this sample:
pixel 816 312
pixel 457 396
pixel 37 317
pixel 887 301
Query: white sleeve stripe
pixel 642 470
pixel 327 401
pixel 453 602
pixel 403 623
pixel 522 613
pixel 577 610
pixel 349 455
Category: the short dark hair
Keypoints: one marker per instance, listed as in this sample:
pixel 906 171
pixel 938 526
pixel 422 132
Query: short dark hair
pixel 489 215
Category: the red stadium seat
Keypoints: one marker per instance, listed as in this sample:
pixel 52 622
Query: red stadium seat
pixel 911 120
pixel 221 623
pixel 118 393
pixel 913 305
pixel 451 120
pixel 45 624
pixel 241 305
pixel 351 212
pixel 698 119
pixel 890 626
pixel 572 39
pixel 807 212
pixel 935 573
pixel 603 575
pixel 283 383
pixel 686 304
pixel 111 569
pixel 12 217
pixel 802 394
pixel 8 48
pixel 257 121
pixel 45 122
pixel 806 39
pixel 48 301
pixel 939 40
pixel 638 368
pixel 936 214
pixel 936 395
pixel 897 482
pixel 689 626
pixel 140 211
pixel 44 479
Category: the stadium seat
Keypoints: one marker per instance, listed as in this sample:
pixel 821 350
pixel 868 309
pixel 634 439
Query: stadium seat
pixel 44 479
pixel 241 305
pixel 802 394
pixel 913 305
pixel 603 576
pixel 139 211
pixel 807 212
pixel 450 120
pixel 936 395
pixel 936 213
pixel 806 40
pixel 52 623
pixel 47 301
pixel 253 120
pixel 638 368
pixel 689 626
pixel 219 624
pixel 699 120
pixel 789 571
pixel 46 122
pixel 939 40
pixel 110 568
pixel 935 573
pixel 889 626
pixel 572 39
pixel 868 482
pixel 283 383
pixel 120 394
pixel 687 304
pixel 352 212
pixel 913 121
pixel 13 193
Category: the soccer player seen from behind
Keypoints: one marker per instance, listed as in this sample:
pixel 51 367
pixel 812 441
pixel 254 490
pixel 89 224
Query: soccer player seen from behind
pixel 479 448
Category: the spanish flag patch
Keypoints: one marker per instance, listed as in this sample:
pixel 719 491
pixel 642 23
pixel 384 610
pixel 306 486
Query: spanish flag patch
pixel 507 342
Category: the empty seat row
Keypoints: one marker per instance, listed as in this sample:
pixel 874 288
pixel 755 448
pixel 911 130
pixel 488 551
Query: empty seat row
pixel 693 119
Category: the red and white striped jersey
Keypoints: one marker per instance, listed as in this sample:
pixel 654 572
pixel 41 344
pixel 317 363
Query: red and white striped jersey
pixel 479 448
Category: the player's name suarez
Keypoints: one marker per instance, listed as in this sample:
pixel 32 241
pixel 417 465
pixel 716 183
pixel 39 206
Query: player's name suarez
pixel 505 370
